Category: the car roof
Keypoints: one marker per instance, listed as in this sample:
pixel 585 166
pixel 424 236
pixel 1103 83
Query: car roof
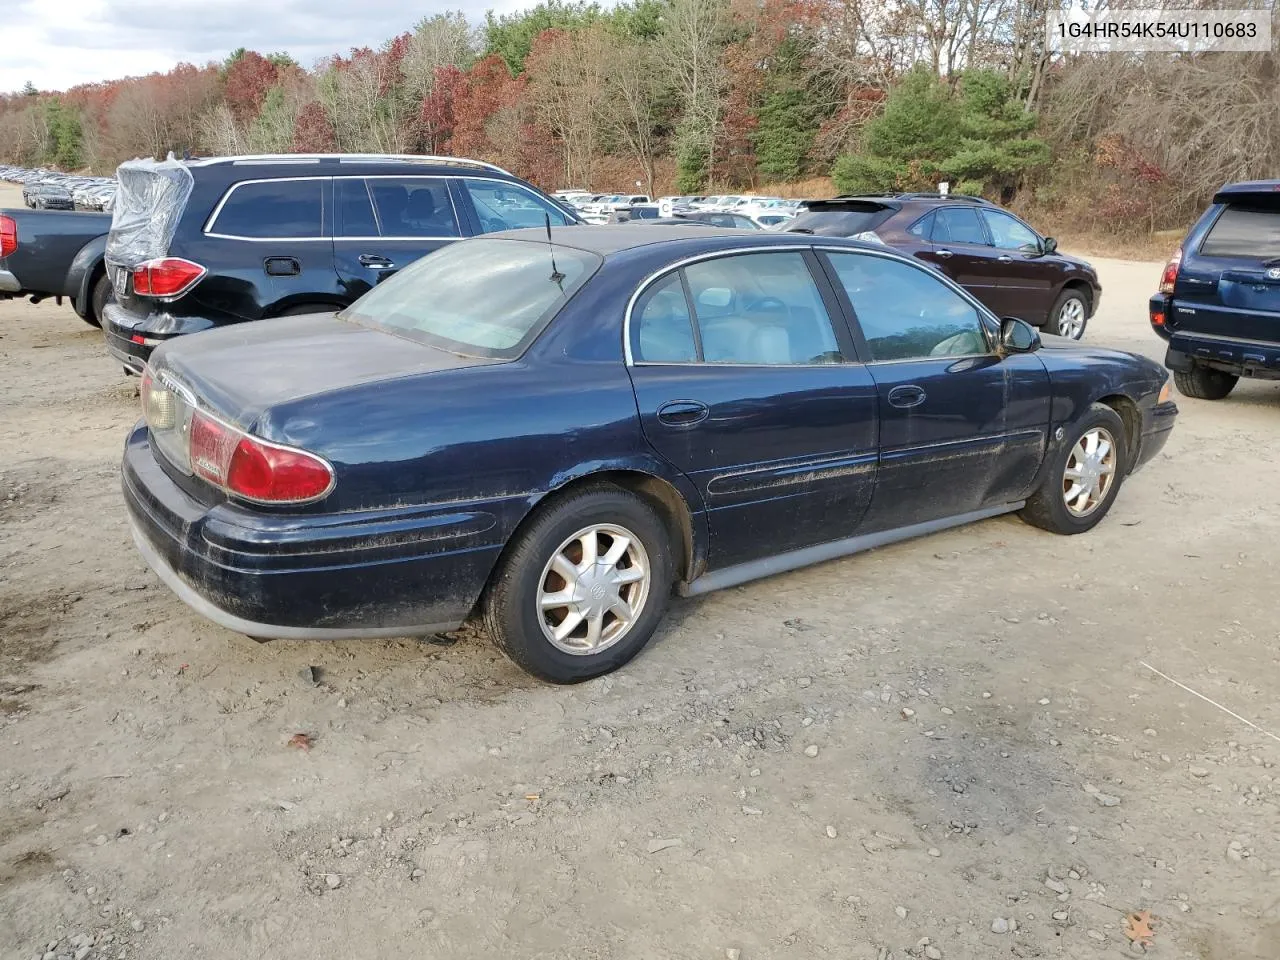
pixel 268 166
pixel 618 238
pixel 1246 188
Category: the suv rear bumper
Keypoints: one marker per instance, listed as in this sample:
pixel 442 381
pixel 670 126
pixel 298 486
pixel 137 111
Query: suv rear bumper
pixel 131 337
pixel 1244 358
pixel 9 283
pixel 1241 356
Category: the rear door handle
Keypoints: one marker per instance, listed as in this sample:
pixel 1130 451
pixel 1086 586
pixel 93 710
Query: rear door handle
pixel 281 267
pixel 682 413
pixel 375 261
pixel 944 254
pixel 1005 258
pixel 906 396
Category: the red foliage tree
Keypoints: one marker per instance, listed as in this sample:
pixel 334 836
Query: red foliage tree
pixel 312 132
pixel 246 83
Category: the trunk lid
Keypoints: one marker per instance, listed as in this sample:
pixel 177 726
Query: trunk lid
pixel 242 371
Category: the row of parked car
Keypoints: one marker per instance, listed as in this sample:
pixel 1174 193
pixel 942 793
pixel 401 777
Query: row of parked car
pixel 51 190
pixel 744 212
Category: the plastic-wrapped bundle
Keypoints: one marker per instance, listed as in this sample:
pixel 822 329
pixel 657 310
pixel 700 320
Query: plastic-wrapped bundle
pixel 150 198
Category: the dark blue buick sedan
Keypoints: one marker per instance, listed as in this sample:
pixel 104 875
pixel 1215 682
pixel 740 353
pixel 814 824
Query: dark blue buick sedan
pixel 550 430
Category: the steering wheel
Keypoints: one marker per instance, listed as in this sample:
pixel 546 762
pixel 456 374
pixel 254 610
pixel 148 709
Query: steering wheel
pixel 493 226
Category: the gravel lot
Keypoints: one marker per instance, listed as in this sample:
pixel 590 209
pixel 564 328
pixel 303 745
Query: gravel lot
pixel 947 748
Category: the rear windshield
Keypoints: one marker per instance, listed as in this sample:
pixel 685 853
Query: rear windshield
pixel 1245 230
pixel 477 298
pixel 840 222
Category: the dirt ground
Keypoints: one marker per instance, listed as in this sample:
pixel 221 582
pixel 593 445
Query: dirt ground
pixel 990 753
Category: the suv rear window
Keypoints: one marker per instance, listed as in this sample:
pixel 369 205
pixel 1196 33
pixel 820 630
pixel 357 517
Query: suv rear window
pixel 840 221
pixel 1245 230
pixel 271 209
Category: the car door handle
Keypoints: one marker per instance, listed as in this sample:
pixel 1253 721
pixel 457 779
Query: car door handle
pixel 375 261
pixel 281 267
pixel 1005 258
pixel 944 254
pixel 906 396
pixel 682 413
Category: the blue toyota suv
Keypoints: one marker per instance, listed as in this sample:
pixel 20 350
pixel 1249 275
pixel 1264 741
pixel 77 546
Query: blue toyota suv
pixel 1219 299
pixel 205 243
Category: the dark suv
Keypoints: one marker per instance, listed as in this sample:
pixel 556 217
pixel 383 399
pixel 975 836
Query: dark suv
pixel 206 243
pixel 1219 299
pixel 987 250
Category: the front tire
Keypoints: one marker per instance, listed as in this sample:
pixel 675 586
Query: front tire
pixel 1085 476
pixel 1204 383
pixel 1069 316
pixel 582 588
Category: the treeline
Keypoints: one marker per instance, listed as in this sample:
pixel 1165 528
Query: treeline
pixel 699 95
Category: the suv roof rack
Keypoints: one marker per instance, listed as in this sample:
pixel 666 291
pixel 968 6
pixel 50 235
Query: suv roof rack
pixel 262 158
pixel 916 195
pixel 943 196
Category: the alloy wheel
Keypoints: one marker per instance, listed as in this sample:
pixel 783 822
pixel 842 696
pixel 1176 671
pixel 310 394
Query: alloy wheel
pixel 1090 471
pixel 1071 319
pixel 593 589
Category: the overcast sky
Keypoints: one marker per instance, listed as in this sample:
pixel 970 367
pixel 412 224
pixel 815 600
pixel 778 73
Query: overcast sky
pixel 60 43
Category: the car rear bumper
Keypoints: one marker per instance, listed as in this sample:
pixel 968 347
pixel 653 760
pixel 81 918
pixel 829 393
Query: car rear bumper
pixel 9 283
pixel 308 576
pixel 1156 427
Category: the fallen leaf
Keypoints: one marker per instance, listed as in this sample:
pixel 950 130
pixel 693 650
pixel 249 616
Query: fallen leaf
pixel 1137 927
pixel 300 740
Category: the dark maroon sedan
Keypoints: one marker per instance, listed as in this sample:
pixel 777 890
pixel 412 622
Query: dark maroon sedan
pixel 991 253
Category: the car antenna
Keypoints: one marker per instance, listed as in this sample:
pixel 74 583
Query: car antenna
pixel 556 276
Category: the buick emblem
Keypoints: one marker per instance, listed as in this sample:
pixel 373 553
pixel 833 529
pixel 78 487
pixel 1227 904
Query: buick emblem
pixel 1273 273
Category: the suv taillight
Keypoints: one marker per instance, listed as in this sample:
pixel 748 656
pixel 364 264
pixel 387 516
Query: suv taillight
pixel 1170 275
pixel 8 236
pixel 166 277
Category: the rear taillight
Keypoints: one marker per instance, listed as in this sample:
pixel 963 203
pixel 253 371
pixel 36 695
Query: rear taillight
pixel 166 277
pixel 239 464
pixel 1170 275
pixel 8 236
pixel 245 466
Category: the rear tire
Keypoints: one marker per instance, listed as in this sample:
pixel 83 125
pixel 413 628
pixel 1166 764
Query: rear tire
pixel 1069 316
pixel 520 609
pixel 1053 507
pixel 1204 383
pixel 98 300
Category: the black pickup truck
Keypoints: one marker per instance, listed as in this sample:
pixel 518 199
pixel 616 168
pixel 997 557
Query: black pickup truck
pixel 55 253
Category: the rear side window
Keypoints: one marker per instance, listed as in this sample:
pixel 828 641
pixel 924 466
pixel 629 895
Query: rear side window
pixel 353 210
pixel 505 206
pixel 413 207
pixel 957 225
pixel 1244 231
pixel 272 209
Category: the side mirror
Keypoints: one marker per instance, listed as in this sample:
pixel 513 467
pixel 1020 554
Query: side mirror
pixel 1050 245
pixel 1018 336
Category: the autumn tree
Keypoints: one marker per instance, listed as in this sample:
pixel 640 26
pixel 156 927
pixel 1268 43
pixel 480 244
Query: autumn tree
pixel 691 40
